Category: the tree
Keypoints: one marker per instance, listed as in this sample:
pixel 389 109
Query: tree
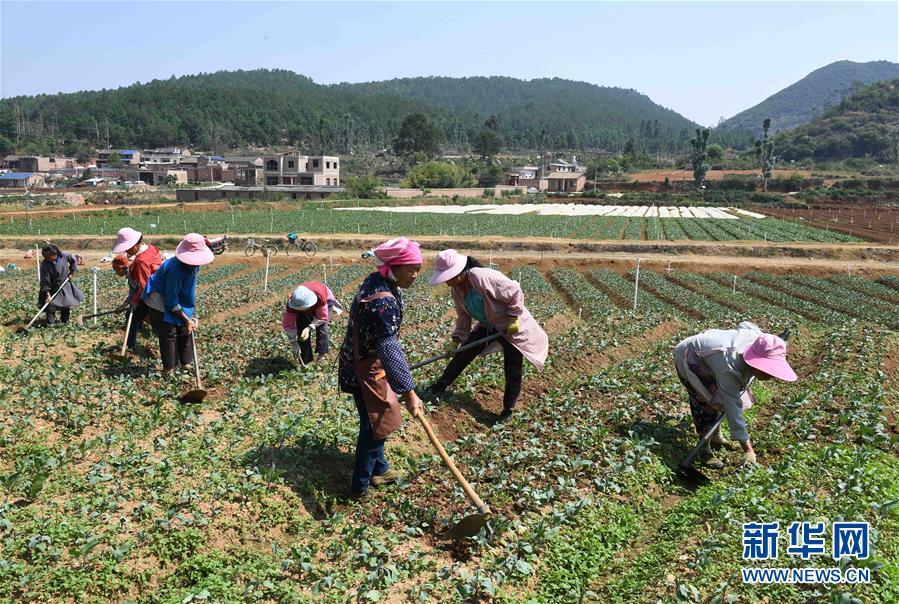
pixel 716 152
pixel 365 187
pixel 764 151
pixel 489 141
pixel 114 160
pixel 417 135
pixel 438 175
pixel 630 149
pixel 698 157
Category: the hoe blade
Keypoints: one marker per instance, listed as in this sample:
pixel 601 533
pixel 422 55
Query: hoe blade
pixel 469 526
pixel 194 396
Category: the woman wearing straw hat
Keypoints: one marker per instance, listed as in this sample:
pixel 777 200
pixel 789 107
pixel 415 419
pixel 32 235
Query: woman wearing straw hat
pixel 715 367
pixel 496 304
pixel 170 295
pixel 372 366
pixel 308 309
pixel 144 260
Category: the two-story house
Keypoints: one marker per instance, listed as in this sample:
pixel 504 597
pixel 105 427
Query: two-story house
pixel 296 169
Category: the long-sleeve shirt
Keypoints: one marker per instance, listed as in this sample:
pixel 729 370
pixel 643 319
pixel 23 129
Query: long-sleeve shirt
pixel 53 275
pixel 177 283
pixel 379 326
pixel 146 262
pixel 720 351
pixel 325 300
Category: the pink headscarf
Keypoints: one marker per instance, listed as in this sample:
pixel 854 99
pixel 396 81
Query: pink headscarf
pixel 396 252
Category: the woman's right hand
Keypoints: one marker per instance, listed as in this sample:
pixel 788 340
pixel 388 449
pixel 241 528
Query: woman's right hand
pixel 191 324
pixel 413 403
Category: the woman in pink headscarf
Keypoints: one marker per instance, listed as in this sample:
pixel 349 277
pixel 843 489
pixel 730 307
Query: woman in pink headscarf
pixel 372 366
pixel 494 303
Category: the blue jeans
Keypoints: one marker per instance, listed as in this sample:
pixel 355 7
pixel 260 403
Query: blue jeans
pixel 369 452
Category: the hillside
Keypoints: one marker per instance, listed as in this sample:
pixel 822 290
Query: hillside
pixel 808 98
pixel 573 114
pixel 278 107
pixel 864 124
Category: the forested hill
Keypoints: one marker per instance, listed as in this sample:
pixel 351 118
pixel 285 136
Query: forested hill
pixel 808 98
pixel 277 107
pixel 573 114
pixel 863 124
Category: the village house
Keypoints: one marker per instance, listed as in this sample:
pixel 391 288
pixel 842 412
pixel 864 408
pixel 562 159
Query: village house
pixel 21 180
pixel 163 156
pixel 248 169
pixel 524 176
pixel 296 169
pixel 564 177
pixel 129 157
pixel 38 163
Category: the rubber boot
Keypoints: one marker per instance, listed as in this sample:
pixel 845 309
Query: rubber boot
pixel 709 460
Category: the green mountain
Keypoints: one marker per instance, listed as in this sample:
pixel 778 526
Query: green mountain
pixel 863 124
pixel 277 107
pixel 812 95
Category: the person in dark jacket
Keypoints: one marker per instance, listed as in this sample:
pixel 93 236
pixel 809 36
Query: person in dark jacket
pixel 372 335
pixel 170 294
pixel 56 267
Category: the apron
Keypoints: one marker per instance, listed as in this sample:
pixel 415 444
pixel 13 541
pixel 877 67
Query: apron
pixel 381 402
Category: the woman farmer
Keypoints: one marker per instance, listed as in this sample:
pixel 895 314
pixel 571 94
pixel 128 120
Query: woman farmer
pixel 170 295
pixel 496 304
pixel 144 261
pixel 307 309
pixel 715 367
pixel 372 366
pixel 54 270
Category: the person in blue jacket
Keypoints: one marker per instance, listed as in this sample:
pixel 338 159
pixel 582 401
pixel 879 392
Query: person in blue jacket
pixel 170 296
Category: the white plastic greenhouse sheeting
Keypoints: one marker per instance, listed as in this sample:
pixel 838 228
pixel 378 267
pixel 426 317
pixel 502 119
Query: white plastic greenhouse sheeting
pixel 571 209
pixel 747 213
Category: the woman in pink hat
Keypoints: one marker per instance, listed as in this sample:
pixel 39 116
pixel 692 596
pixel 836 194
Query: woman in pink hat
pixel 715 366
pixel 170 294
pixel 372 365
pixel 143 261
pixel 496 304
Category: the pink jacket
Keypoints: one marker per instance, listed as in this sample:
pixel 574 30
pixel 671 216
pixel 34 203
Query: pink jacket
pixel 321 309
pixel 503 300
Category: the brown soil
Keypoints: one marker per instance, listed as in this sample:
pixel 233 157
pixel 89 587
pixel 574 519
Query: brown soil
pixel 874 224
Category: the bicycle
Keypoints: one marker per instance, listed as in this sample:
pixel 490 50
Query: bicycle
pixel 303 245
pixel 266 248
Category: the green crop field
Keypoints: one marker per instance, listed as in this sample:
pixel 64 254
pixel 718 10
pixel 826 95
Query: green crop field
pixel 114 491
pixel 324 221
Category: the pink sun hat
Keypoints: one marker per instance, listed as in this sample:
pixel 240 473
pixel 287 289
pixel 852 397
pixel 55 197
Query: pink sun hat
pixel 769 354
pixel 193 250
pixel 449 263
pixel 126 239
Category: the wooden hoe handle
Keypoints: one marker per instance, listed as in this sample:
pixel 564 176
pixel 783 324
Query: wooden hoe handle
pixel 482 507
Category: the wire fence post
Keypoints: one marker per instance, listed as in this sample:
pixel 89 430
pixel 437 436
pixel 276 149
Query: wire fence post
pixel 325 271
pixel 735 284
pixel 94 271
pixel 637 284
pixel 268 257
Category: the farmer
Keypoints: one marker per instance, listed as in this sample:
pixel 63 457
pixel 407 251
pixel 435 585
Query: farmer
pixel 307 310
pixel 715 367
pixel 372 366
pixel 170 296
pixel 496 304
pixel 54 270
pixel 144 261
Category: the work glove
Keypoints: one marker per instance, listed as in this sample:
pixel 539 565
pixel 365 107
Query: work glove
pixel 450 345
pixel 513 327
pixel 305 334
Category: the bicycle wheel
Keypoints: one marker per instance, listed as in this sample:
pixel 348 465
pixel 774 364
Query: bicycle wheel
pixel 292 248
pixel 250 250
pixel 272 250
pixel 309 248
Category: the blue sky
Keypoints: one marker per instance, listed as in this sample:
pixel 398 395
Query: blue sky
pixel 702 59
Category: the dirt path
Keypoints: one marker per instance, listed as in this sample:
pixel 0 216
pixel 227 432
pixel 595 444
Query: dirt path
pixel 693 256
